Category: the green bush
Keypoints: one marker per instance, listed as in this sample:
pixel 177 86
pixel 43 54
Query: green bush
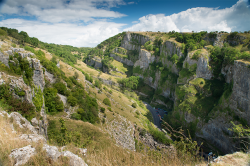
pixel 52 101
pixel 109 108
pixel 107 102
pixel 134 105
pixel 61 88
pixel 16 105
pixel 38 99
pixel 102 110
pixel 76 116
pixel 72 101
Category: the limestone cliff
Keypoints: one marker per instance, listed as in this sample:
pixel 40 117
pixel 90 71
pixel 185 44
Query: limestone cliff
pixel 17 84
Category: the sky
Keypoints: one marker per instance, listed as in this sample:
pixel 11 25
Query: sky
pixel 86 23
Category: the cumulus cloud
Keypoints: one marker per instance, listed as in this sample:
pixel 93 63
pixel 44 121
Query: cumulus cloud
pixel 66 33
pixel 63 11
pixel 235 18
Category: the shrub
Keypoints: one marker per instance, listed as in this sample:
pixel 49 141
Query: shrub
pixel 61 88
pixel 26 109
pixel 76 116
pixel 134 105
pixel 102 110
pixel 52 101
pixel 38 99
pixel 107 102
pixel 72 101
pixel 109 108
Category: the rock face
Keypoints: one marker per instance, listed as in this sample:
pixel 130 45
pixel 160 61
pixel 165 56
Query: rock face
pixel 240 98
pixel 53 153
pixel 122 60
pixel 123 132
pixel 216 133
pixel 18 82
pixel 22 155
pixel 203 69
pixel 38 77
pixel 227 71
pixel 4 59
pixel 96 62
pixel 145 58
pixel 133 41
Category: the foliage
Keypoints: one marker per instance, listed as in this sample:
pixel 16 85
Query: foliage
pixel 16 105
pixel 158 135
pixel 225 56
pixel 21 66
pixel 52 101
pixel 72 101
pixel 134 105
pixel 107 102
pixel 243 134
pixel 60 87
pixel 38 99
pixel 102 110
pixel 131 82
pixel 63 51
pixel 98 83
pixel 184 144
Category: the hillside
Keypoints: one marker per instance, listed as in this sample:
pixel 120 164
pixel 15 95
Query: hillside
pixel 101 106
pixel 201 79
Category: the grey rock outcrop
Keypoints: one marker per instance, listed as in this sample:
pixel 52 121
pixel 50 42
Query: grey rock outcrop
pixel 22 122
pixel 22 155
pixel 38 77
pixel 96 62
pixel 53 153
pixel 227 71
pixel 203 69
pixel 50 77
pixel 133 41
pixel 122 60
pixel 9 52
pixel 32 138
pixel 240 98
pixel 123 132
pixel 17 49
pixel 4 59
pixel 145 58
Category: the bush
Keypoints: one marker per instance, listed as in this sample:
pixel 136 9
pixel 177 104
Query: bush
pixel 72 101
pixel 134 105
pixel 109 108
pixel 16 105
pixel 107 102
pixel 61 88
pixel 76 116
pixel 52 101
pixel 102 110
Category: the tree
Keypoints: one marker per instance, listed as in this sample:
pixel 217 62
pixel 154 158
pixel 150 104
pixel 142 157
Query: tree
pixel 76 75
pixel 106 101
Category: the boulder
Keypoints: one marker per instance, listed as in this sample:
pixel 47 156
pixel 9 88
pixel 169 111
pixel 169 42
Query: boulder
pixel 22 155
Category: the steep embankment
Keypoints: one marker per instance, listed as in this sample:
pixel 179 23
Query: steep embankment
pixel 199 78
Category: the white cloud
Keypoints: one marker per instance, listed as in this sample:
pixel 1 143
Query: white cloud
pixel 236 18
pixel 59 11
pixel 66 33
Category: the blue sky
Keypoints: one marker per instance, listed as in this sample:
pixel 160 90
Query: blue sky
pixel 88 22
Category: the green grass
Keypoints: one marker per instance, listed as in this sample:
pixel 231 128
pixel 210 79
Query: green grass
pixel 119 66
pixel 121 55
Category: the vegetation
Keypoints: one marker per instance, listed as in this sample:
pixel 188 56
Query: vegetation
pixel 38 99
pixel 63 51
pixel 107 102
pixel 21 65
pixel 53 103
pixel 16 105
